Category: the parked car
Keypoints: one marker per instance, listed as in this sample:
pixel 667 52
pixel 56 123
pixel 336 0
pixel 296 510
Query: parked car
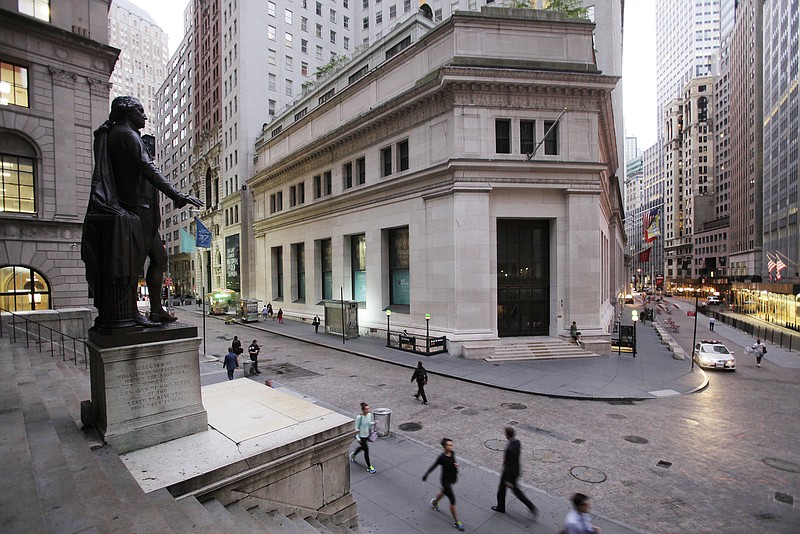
pixel 713 300
pixel 712 354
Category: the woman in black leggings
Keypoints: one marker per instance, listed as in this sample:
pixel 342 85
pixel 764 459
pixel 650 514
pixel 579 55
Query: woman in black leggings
pixel 449 477
pixel 364 422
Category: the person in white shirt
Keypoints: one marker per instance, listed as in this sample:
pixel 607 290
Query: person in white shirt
pixel 578 520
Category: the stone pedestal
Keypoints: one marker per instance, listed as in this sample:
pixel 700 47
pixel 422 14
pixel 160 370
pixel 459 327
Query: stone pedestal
pixel 146 393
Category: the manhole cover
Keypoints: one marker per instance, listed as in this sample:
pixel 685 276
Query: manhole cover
pixel 458 408
pixel 470 411
pixel 588 474
pixel 616 416
pixel 381 385
pixel 664 464
pixel 512 423
pixel 495 444
pixel 765 517
pixel 691 422
pixel 784 498
pixel 635 439
pixel 544 455
pixel 410 427
pixel 514 406
pixel 673 504
pixel 578 441
pixel 353 376
pixel 783 465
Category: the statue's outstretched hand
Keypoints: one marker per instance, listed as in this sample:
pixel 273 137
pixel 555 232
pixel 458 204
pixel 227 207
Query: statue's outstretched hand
pixel 189 199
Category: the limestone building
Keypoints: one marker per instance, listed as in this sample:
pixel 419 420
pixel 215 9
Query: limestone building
pixel 419 180
pixel 55 66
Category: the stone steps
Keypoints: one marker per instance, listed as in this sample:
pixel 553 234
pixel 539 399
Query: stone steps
pixel 538 350
pixel 64 481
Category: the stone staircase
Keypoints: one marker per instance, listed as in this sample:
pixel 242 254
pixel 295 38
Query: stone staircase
pixel 537 349
pixel 59 478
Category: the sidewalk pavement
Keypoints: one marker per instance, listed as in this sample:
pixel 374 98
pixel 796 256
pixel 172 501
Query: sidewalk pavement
pixel 652 373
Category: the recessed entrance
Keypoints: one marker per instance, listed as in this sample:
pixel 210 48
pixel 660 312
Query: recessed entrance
pixel 523 277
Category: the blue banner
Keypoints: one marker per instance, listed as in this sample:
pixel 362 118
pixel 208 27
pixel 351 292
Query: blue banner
pixel 203 237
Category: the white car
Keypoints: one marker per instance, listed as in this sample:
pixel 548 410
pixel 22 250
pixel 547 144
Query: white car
pixel 713 300
pixel 712 354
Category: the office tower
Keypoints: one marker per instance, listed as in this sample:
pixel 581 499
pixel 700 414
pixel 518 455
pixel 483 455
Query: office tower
pixel 143 56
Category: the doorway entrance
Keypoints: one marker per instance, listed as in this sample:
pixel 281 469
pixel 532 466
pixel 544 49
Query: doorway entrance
pixel 523 277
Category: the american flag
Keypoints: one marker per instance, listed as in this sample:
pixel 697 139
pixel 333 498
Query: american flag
pixel 650 219
pixel 779 266
pixel 771 265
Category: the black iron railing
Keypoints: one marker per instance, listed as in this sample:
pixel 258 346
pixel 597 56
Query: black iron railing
pixel 70 348
pixel 418 344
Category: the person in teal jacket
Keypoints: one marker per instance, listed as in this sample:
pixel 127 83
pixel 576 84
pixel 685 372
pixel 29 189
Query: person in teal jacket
pixel 364 422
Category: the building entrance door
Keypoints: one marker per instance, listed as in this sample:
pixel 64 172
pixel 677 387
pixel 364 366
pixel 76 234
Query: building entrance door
pixel 523 277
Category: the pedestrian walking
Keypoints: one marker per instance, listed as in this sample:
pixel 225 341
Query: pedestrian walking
pixel 449 477
pixel 265 313
pixel 231 362
pixel 711 322
pixel 421 376
pixel 280 315
pixel 364 426
pixel 578 520
pixel 254 350
pixel 510 475
pixel 237 345
pixel 573 331
pixel 269 310
pixel 316 322
pixel 759 349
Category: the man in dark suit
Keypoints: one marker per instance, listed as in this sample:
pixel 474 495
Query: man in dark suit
pixel 138 182
pixel 510 475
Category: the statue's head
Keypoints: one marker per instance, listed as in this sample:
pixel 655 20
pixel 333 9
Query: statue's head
pixel 121 106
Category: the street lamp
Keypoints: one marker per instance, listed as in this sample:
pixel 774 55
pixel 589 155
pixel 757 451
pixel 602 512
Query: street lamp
pixel 388 315
pixel 427 333
pixel 635 319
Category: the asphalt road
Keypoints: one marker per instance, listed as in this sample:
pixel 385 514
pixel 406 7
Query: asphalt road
pixel 722 460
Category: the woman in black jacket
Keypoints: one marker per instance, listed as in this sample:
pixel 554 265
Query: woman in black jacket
pixel 449 477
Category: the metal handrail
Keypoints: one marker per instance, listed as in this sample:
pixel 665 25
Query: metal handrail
pixel 61 339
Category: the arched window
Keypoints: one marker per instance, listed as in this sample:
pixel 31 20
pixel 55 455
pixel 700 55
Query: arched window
pixel 23 288
pixel 17 177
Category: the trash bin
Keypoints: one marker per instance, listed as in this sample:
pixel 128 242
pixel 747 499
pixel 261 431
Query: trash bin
pixel 383 421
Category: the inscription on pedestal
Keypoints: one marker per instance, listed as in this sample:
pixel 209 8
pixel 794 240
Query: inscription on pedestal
pixel 146 385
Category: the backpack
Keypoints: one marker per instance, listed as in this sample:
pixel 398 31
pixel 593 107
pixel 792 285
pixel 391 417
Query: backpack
pixel 423 378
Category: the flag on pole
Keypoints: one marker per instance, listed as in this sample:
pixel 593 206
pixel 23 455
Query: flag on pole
pixel 771 265
pixel 779 266
pixel 644 256
pixel 188 244
pixel 650 223
pixel 203 239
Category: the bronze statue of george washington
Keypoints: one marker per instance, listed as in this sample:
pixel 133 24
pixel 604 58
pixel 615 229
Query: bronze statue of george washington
pixel 122 221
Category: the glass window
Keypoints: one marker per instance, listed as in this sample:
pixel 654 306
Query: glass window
pixel 361 169
pixel 347 175
pixel 399 274
pixel 328 183
pixel 287 16
pixel 13 85
pixel 300 269
pixel 386 161
pixel 358 266
pixel 551 138
pixel 326 257
pixel 17 192
pixel 502 135
pixel 271 32
pixel 35 8
pixel 317 186
pixel 526 136
pixel 402 155
pixel 277 272
pixel 23 289
pixel 271 9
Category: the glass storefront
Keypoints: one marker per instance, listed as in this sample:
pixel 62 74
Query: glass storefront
pixel 776 303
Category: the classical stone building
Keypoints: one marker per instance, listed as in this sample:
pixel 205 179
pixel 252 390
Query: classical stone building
pixel 464 171
pixel 54 71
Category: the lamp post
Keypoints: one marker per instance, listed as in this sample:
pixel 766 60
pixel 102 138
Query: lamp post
pixel 388 315
pixel 635 319
pixel 427 333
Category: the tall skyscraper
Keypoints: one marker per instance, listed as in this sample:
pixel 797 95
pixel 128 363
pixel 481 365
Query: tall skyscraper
pixel 143 56
pixel 781 120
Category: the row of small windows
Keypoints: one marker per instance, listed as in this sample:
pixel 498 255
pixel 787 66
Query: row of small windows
pixel 393 158
pixel 526 136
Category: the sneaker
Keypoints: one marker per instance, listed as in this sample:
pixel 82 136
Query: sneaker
pixel 353 457
pixel 435 505
pixel 425 403
pixel 759 365
pixel 459 525
pixel 370 469
pixel 416 395
pixel 498 510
